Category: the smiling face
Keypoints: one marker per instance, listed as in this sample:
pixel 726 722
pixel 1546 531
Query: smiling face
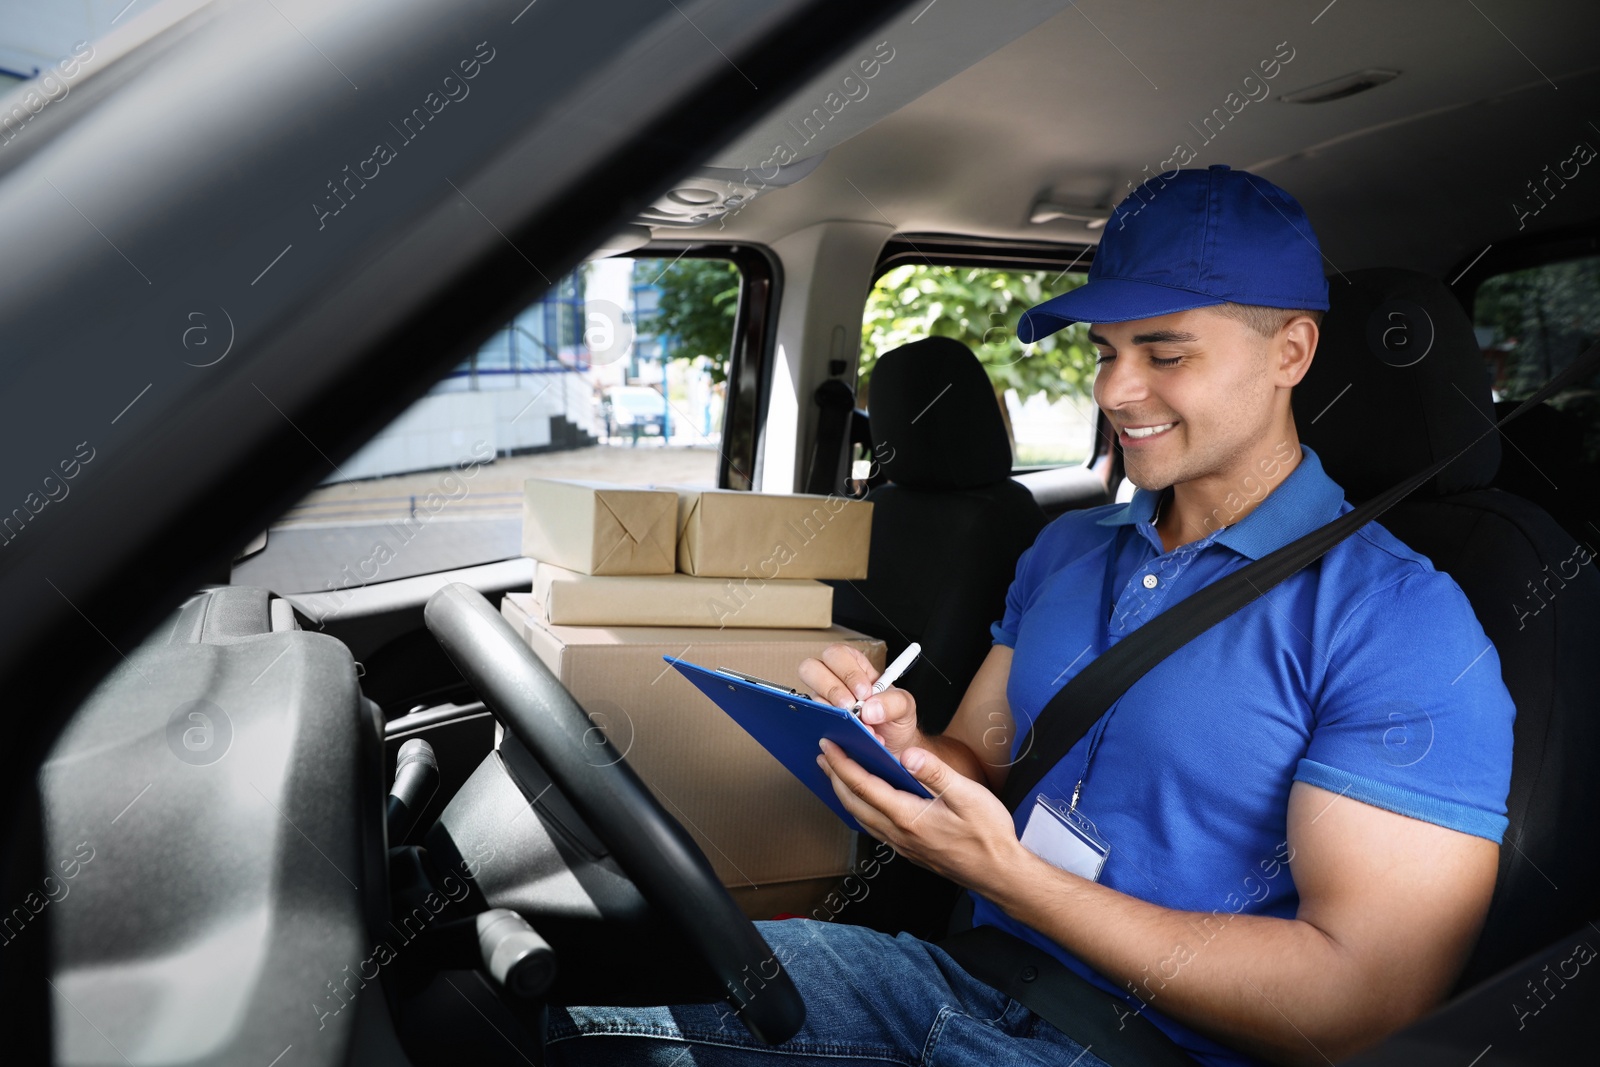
pixel 1196 397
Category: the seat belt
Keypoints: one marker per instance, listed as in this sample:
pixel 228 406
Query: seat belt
pixel 1080 703
pixel 1115 1030
pixel 837 401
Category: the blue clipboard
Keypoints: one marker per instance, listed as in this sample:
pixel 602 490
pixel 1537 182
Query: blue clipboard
pixel 789 726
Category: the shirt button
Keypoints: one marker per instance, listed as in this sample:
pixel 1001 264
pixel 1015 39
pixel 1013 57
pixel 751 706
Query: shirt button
pixel 1151 581
pixel 1029 973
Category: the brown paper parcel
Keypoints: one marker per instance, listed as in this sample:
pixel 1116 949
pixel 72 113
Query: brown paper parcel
pixel 753 819
pixel 570 598
pixel 727 533
pixel 598 528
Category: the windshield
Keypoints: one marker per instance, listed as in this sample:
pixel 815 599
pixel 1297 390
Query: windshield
pixel 618 373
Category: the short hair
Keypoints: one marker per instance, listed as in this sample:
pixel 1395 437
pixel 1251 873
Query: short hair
pixel 1264 320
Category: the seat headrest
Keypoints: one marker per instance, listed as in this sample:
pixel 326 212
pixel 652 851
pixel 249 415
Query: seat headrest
pixel 935 422
pixel 1397 384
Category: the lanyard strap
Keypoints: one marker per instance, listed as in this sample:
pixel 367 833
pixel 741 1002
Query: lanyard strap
pixel 1108 595
pixel 1108 590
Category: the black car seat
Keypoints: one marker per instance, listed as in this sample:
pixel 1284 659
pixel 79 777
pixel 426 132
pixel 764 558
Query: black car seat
pixel 1543 461
pixel 948 526
pixel 947 529
pixel 1397 384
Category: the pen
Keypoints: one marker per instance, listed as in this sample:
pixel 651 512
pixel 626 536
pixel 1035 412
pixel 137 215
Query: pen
pixel 892 675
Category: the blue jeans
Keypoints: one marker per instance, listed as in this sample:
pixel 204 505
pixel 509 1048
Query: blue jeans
pixel 870 998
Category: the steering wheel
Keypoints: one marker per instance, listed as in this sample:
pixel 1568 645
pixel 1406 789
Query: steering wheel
pixel 653 849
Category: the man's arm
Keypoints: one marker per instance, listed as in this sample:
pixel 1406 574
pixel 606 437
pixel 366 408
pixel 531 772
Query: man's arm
pixel 977 743
pixel 1390 907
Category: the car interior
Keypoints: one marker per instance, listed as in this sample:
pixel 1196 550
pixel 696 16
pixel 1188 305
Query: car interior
pixel 362 881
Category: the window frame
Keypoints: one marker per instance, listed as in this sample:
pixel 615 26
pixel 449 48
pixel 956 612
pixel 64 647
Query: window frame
pixel 953 250
pixel 1539 250
pixel 1532 252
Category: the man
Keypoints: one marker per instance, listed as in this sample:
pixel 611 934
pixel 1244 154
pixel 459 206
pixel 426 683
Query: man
pixel 1295 817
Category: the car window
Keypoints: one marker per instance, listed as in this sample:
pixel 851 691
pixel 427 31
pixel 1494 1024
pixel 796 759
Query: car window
pixel 1531 324
pixel 1043 389
pixel 618 373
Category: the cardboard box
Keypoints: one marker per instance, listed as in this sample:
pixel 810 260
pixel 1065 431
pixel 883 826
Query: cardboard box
pixel 803 897
pixel 726 533
pixel 568 598
pixel 753 819
pixel 598 528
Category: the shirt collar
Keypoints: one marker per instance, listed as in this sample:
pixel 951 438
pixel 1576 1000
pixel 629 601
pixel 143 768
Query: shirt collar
pixel 1303 501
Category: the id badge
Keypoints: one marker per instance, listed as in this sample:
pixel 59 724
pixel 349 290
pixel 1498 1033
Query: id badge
pixel 1065 838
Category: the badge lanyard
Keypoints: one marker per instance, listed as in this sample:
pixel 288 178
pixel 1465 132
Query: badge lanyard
pixel 1108 586
pixel 1065 836
pixel 1107 593
pixel 1061 834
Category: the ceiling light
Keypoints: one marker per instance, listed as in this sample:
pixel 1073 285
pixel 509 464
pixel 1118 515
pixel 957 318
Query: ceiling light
pixel 1092 218
pixel 1341 87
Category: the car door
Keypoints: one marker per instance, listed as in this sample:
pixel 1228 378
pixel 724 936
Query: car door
pixel 348 199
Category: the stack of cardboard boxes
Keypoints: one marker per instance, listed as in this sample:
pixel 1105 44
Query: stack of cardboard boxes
pixel 625 576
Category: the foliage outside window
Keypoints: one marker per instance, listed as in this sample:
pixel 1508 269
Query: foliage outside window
pixel 699 298
pixel 981 306
pixel 1533 323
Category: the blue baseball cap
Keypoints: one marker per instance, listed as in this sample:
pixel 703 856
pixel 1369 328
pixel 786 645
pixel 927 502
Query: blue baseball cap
pixel 1195 239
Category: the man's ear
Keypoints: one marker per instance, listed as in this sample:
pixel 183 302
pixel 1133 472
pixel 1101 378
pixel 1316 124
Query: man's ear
pixel 1294 348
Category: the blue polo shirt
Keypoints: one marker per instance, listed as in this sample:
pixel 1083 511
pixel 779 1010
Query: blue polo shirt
pixel 1366 674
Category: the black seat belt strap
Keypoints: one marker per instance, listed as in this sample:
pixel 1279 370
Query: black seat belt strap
pixel 1079 704
pixel 1115 1030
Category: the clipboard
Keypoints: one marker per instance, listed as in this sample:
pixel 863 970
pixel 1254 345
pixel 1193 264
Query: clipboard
pixel 789 725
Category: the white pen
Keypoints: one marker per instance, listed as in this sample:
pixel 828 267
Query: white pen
pixel 901 663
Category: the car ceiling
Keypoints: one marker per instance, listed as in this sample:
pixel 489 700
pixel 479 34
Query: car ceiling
pixel 1421 172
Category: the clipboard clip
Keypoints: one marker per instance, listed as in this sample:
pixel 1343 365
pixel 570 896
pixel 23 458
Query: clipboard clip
pixel 761 681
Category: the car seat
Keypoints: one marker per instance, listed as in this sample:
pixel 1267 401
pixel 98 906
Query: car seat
pixel 1545 464
pixel 1398 383
pixel 947 529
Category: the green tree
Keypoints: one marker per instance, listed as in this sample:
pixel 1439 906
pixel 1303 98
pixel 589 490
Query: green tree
pixel 1545 315
pixel 699 298
pixel 1541 319
pixel 980 307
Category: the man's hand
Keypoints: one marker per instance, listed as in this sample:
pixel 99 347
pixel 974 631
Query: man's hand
pixel 976 744
pixel 964 833
pixel 845 675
